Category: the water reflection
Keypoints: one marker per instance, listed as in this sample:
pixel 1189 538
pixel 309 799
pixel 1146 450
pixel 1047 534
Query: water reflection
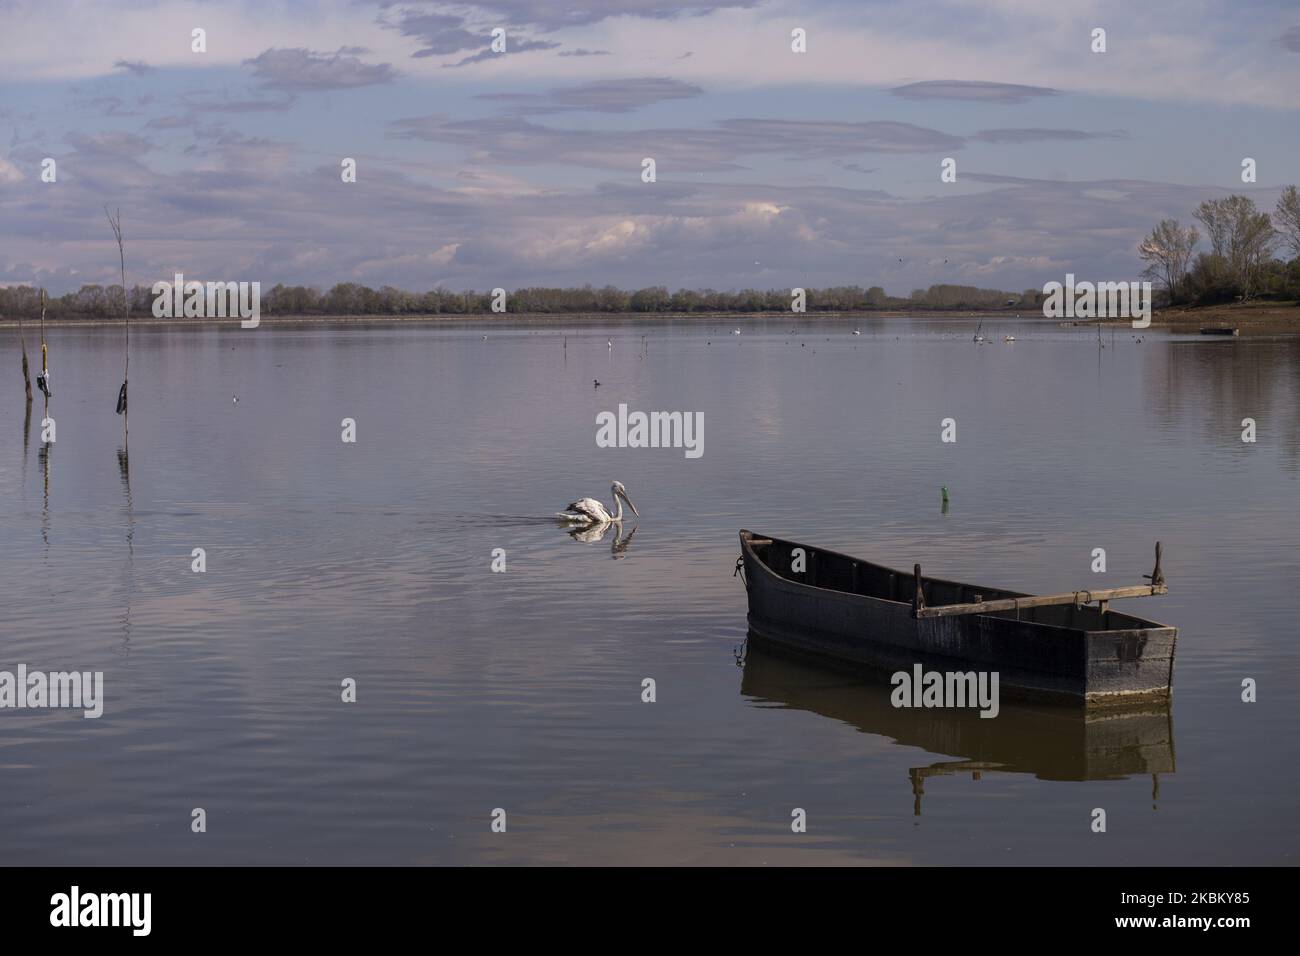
pixel 1216 384
pixel 128 569
pixel 1052 743
pixel 486 687
pixel 43 458
pixel 599 530
pixel 27 438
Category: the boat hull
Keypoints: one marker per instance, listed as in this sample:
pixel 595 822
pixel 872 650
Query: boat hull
pixel 1071 654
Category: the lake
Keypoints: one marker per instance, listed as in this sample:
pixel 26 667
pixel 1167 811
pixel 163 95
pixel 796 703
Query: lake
pixel 522 689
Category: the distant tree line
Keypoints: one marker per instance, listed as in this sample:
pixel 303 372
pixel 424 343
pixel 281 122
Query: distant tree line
pixel 1240 262
pixel 350 298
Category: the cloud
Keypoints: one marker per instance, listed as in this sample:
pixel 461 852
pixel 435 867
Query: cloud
pixel 722 146
pixel 138 67
pixel 172 122
pixel 539 182
pixel 108 106
pixel 106 145
pixel 280 223
pixel 1041 135
pixel 602 96
pixel 518 46
pixel 440 34
pixel 299 69
pixel 203 103
pixel 9 173
pixel 556 14
pixel 972 91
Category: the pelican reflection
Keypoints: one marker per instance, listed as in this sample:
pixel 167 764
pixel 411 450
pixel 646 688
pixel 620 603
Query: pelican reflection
pixel 597 531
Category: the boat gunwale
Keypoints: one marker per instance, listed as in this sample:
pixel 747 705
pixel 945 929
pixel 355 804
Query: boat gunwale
pixel 747 545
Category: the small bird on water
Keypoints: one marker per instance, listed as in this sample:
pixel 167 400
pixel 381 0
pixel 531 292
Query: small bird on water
pixel 597 381
pixel 234 399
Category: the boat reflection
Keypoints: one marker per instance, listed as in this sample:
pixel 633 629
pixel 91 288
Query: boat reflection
pixel 1051 742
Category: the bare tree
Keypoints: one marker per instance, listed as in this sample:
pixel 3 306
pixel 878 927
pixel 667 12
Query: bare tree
pixel 1166 252
pixel 1287 218
pixel 1241 234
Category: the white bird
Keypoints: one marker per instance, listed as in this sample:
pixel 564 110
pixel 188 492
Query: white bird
pixel 735 331
pixel 234 399
pixel 591 511
pixel 857 331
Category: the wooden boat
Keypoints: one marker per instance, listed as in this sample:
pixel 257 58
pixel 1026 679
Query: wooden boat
pixel 859 615
pixel 1219 330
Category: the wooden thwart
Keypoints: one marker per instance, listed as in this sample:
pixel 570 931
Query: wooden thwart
pixel 1077 598
pixel 1042 600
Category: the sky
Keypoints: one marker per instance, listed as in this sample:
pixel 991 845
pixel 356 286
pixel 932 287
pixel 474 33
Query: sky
pixel 774 169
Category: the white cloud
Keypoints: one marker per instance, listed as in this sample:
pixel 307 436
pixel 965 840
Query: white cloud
pixel 9 173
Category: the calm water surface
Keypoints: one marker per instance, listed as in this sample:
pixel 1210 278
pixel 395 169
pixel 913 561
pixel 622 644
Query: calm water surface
pixel 522 690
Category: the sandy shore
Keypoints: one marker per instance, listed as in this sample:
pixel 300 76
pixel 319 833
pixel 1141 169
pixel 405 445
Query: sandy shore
pixel 1250 318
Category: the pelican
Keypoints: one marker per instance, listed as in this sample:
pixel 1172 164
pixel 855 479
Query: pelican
pixel 591 511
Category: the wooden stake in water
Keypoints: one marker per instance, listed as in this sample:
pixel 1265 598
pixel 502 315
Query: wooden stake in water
pixel 116 223
pixel 27 377
pixel 43 380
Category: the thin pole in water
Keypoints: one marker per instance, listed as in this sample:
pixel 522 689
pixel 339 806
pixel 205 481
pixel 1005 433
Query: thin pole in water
pixel 116 224
pixel 45 353
pixel 27 377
